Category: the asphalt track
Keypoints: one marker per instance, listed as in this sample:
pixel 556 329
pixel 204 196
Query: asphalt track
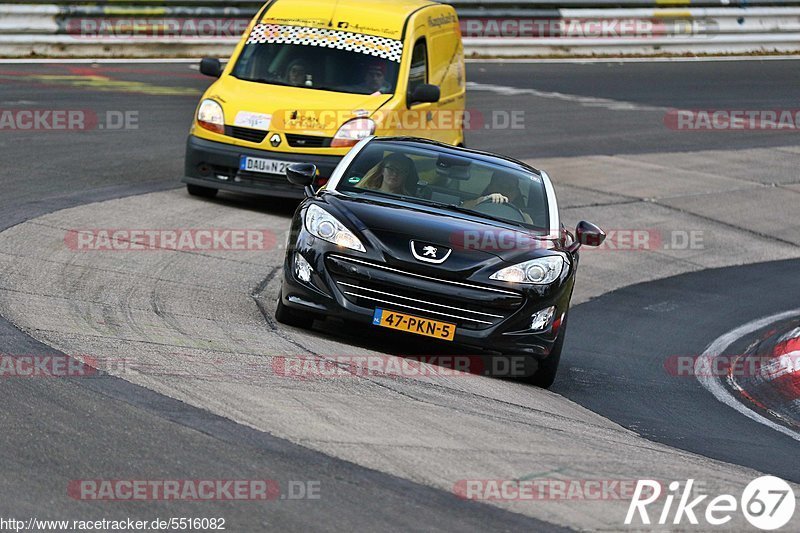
pixel 615 360
pixel 68 429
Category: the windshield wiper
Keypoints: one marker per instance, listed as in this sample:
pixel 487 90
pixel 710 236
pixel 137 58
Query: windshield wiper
pixel 465 210
pixel 446 206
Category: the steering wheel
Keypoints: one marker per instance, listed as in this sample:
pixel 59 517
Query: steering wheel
pixel 505 210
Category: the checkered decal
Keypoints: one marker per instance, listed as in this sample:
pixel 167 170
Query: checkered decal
pixel 355 42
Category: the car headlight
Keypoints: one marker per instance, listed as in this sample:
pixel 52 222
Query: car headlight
pixel 325 226
pixel 353 131
pixel 210 116
pixel 540 271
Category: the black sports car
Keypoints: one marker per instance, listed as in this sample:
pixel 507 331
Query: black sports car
pixel 422 237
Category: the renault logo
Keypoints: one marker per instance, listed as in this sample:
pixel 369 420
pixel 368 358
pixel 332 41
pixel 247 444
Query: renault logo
pixel 275 140
pixel 429 253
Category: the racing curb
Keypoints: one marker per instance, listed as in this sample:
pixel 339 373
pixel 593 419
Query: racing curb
pixel 774 387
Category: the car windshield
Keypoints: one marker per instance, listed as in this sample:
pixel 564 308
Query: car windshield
pixel 316 67
pixel 450 180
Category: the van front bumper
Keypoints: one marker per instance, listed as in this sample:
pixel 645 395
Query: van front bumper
pixel 216 165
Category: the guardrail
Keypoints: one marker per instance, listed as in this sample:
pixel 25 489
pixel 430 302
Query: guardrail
pixel 493 28
pixel 460 5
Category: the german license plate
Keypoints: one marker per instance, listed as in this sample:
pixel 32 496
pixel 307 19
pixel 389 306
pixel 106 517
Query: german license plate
pixel 264 166
pixel 414 324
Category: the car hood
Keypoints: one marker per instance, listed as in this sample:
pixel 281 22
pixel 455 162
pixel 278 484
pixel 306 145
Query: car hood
pixel 293 109
pixel 392 225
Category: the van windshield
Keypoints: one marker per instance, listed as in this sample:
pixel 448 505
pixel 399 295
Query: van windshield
pixel 316 67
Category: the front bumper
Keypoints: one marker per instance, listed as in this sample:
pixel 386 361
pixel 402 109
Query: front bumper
pixel 216 165
pixel 330 293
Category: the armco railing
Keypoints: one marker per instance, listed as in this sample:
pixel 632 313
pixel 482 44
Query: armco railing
pixel 190 28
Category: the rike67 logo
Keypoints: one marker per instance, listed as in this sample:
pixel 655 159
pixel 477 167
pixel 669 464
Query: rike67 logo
pixel 767 503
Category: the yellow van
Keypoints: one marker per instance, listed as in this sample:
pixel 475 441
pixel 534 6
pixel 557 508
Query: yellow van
pixel 311 78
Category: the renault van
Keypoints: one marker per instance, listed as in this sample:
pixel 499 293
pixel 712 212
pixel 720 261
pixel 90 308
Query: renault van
pixel 311 78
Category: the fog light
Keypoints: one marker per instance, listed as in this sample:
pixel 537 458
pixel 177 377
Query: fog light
pixel 540 320
pixel 302 269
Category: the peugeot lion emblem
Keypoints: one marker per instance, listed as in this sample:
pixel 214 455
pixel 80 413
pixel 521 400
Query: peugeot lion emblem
pixel 429 253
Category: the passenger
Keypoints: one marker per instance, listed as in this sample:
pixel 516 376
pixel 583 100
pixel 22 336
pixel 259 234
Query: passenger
pixel 296 73
pixel 396 174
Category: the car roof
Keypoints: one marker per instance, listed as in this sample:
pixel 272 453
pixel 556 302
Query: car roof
pixel 384 18
pixel 477 155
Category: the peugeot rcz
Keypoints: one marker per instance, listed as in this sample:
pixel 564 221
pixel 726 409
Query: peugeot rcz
pixel 425 238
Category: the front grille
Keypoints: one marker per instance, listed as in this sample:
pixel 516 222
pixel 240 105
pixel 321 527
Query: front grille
pixel 468 305
pixel 246 134
pixel 255 178
pixel 307 141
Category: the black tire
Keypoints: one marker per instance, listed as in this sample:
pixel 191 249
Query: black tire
pixel 202 192
pixel 292 317
pixel 545 374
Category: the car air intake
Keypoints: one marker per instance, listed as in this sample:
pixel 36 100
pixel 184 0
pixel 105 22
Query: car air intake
pixel 307 141
pixel 245 134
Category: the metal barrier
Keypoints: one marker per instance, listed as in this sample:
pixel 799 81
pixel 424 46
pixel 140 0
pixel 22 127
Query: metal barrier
pixel 491 28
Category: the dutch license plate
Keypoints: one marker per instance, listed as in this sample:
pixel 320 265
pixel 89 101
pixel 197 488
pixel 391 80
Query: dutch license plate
pixel 264 166
pixel 414 324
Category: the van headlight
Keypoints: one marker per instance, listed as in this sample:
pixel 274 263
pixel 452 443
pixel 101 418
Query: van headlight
pixel 210 116
pixel 539 271
pixel 353 131
pixel 325 226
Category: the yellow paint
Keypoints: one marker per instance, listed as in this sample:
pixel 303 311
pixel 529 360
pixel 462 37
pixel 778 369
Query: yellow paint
pixel 135 11
pixel 672 14
pixel 105 84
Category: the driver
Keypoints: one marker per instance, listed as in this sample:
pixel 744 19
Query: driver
pixel 506 191
pixel 374 79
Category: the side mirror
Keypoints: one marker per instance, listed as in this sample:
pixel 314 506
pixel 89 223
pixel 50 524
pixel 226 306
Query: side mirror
pixel 425 93
pixel 588 234
pixel 302 174
pixel 210 66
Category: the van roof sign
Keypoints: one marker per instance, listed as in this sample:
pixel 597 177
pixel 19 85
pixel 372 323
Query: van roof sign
pixel 373 45
pixel 384 18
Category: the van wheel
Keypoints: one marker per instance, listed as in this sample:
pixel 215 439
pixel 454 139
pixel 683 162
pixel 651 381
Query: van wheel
pixel 202 192
pixel 545 375
pixel 291 317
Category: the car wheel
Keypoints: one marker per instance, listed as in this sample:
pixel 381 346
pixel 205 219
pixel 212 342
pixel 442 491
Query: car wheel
pixel 202 192
pixel 291 317
pixel 545 375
